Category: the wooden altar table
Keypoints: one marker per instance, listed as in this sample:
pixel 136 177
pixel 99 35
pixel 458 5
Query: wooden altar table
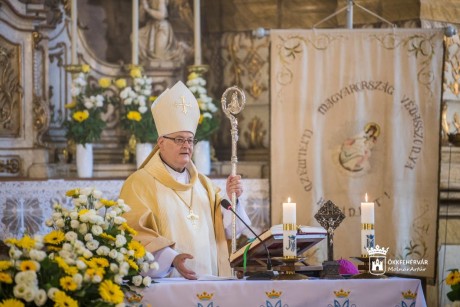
pixel 292 293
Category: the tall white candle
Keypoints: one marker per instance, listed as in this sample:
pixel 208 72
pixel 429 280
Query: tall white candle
pixel 135 34
pixel 289 229
pixel 197 31
pixel 73 38
pixel 367 226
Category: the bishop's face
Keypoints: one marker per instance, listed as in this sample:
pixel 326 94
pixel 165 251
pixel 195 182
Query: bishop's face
pixel 175 154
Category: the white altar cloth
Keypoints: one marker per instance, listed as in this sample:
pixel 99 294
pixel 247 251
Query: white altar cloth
pixel 286 293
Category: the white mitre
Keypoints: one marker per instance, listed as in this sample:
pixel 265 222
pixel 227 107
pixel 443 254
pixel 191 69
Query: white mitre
pixel 176 109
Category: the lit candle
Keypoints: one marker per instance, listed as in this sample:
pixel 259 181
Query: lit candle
pixel 289 229
pixel 73 38
pixel 135 29
pixel 197 31
pixel 367 226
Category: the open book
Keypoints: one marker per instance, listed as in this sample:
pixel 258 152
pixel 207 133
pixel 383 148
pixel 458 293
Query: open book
pixel 307 236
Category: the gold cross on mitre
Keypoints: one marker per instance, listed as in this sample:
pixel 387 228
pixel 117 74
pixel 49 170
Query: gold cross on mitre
pixel 183 104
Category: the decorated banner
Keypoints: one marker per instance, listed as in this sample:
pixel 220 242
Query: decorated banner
pixel 357 112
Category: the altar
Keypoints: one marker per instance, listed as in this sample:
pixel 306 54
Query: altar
pixel 292 293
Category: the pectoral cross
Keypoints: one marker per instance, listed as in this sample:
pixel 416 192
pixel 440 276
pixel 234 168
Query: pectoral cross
pixel 183 104
pixel 193 217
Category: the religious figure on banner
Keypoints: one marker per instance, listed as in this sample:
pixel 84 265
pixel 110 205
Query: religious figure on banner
pixel 355 152
pixel 156 37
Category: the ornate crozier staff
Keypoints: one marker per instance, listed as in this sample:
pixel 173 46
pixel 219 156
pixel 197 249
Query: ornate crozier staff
pixel 236 105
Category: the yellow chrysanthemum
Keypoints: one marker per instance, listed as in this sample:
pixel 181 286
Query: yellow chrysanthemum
pixel 63 300
pixel 83 211
pixel 51 248
pixel 26 242
pixel 132 263
pixel 70 105
pixel 100 262
pixel 80 116
pixel 5 265
pixel 200 120
pixel 85 68
pixel 67 283
pixel 107 236
pixel 192 76
pixel 120 83
pixel 111 292
pixel 128 229
pixel 153 98
pixel 73 193
pixel 55 237
pixel 29 265
pixel 108 203
pixel 138 248
pixel 12 241
pixel 135 72
pixel 11 302
pixel 104 82
pixel 91 272
pixel 134 115
pixel 5 278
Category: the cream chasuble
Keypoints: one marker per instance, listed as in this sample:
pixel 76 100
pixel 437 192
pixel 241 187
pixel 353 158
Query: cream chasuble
pixel 160 216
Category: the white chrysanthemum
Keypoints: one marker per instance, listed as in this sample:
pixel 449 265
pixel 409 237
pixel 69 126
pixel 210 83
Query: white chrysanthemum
pixel 118 279
pixel 83 228
pixel 89 237
pixel 147 281
pixel 103 250
pixel 78 279
pixel 29 294
pixel 15 253
pixel 52 292
pixel 125 92
pixel 71 236
pixel 87 254
pixel 143 109
pixel 83 198
pixel 137 280
pixel 37 255
pixel 56 216
pixel 60 223
pixel 26 277
pixel 49 223
pixel 81 265
pixel 88 104
pixel 113 254
pixel 123 250
pixel 92 245
pixel 67 246
pixel 19 290
pixel 40 297
pixel 120 305
pixel 98 205
pixel 154 266
pixel 131 253
pixel 149 257
pixel 144 266
pixel 119 220
pixel 124 267
pixel 96 279
pixel 96 230
pixel 73 215
pixel 114 268
pixel 74 224
pixel 207 114
pixel 86 191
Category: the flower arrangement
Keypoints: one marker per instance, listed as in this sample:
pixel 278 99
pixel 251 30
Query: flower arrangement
pixel 209 120
pixel 453 280
pixel 88 259
pixel 85 123
pixel 136 100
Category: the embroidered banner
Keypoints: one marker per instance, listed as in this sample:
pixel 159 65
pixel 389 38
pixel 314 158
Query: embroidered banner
pixel 356 112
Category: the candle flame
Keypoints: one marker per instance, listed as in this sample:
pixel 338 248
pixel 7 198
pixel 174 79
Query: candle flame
pixel 366 197
pixel 289 199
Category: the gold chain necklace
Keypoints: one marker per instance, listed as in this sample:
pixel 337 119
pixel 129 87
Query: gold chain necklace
pixel 191 215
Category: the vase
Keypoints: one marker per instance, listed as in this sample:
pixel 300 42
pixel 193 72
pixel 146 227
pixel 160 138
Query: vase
pixel 85 160
pixel 143 150
pixel 202 157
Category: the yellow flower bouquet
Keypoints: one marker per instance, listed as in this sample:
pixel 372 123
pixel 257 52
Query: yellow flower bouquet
pixel 136 100
pixel 453 280
pixel 85 123
pixel 89 258
pixel 209 120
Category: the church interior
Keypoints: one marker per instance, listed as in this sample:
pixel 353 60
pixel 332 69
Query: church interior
pixel 45 44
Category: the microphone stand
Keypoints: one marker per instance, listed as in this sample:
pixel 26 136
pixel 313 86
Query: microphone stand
pixel 261 275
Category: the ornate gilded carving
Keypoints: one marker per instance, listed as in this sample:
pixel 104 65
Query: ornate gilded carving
pixel 246 59
pixel 10 165
pixel 41 118
pixel 10 89
pixel 37 37
pixel 255 136
pixel 452 65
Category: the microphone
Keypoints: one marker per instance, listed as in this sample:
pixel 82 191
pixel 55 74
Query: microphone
pixel 265 275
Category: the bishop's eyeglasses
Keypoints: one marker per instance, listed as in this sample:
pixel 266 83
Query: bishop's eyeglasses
pixel 181 141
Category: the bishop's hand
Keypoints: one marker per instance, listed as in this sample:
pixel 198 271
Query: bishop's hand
pixel 179 265
pixel 234 185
